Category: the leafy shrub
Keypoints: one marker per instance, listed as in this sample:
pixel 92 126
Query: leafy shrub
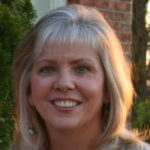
pixel 141 114
pixel 16 18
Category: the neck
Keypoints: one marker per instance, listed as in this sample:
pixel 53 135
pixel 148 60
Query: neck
pixel 84 138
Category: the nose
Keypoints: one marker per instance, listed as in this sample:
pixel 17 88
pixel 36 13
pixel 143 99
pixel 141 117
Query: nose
pixel 64 82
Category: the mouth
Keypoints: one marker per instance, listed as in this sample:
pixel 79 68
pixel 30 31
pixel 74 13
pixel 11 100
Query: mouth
pixel 65 103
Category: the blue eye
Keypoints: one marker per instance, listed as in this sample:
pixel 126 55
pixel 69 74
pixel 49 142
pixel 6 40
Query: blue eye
pixel 47 70
pixel 82 69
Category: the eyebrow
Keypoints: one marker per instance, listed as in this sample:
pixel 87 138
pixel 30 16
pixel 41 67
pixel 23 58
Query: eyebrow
pixel 45 61
pixel 72 62
pixel 82 60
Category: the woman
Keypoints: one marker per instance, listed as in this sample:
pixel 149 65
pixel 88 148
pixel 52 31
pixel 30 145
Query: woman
pixel 73 86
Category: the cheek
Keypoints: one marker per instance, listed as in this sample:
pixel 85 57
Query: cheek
pixel 39 88
pixel 93 87
pixel 39 83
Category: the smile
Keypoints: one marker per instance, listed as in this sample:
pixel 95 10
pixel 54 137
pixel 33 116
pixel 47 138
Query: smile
pixel 65 103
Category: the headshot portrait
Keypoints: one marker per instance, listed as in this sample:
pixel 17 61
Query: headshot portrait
pixel 72 85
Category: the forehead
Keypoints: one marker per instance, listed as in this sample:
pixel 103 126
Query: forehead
pixel 69 52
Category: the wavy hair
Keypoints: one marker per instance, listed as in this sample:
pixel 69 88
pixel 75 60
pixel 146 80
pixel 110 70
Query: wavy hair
pixel 68 26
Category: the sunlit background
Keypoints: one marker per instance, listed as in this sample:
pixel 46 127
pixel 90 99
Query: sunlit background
pixel 148 25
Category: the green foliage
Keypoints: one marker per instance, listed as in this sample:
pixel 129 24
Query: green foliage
pixel 139 48
pixel 141 71
pixel 141 116
pixel 16 18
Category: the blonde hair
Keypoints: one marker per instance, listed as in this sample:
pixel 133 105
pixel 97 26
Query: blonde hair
pixel 66 26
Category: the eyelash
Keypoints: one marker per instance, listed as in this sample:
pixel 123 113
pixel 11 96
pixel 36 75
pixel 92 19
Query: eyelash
pixel 85 67
pixel 78 69
pixel 47 69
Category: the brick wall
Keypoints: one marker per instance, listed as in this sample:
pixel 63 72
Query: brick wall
pixel 118 13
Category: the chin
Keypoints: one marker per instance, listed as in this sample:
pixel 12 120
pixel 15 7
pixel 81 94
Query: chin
pixel 66 124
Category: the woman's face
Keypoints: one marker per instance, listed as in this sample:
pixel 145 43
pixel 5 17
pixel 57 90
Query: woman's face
pixel 67 87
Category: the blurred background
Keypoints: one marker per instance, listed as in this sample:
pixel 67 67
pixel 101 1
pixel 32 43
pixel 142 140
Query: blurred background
pixel 129 18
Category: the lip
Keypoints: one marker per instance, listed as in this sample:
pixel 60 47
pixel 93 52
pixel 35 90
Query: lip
pixel 65 109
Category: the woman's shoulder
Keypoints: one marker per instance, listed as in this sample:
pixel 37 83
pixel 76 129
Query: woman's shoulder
pixel 146 147
pixel 143 146
pixel 130 141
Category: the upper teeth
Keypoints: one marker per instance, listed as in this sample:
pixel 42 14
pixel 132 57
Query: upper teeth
pixel 65 103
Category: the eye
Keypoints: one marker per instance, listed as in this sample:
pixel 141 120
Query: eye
pixel 47 70
pixel 82 69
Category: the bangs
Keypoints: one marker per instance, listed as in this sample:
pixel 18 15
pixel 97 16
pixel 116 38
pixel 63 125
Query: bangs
pixel 67 35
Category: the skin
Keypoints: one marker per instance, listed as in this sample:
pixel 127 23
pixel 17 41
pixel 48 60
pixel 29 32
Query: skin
pixel 73 74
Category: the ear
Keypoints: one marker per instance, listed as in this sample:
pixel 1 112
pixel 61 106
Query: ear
pixel 30 100
pixel 106 98
pixel 29 95
pixel 106 95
